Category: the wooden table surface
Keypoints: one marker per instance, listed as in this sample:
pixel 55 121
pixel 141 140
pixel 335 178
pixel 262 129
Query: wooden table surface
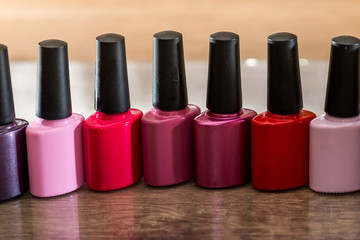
pixel 182 212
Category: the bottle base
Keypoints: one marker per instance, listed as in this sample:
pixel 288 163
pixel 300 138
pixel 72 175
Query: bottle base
pixel 221 186
pixel 168 184
pixel 279 189
pixel 44 195
pixel 105 189
pixel 334 191
pixel 12 196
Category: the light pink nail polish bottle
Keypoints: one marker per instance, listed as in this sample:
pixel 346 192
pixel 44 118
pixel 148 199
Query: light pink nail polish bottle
pixel 54 139
pixel 334 165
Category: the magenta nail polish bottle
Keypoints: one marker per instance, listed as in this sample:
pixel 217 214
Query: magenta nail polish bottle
pixel 167 128
pixel 13 162
pixel 222 133
pixel 54 139
pixel 335 136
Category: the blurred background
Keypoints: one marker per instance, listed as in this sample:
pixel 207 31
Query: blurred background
pixel 25 23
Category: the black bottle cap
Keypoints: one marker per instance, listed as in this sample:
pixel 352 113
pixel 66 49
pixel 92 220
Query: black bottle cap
pixel 284 87
pixel 7 110
pixel 169 83
pixel 342 93
pixel 224 82
pixel 53 100
pixel 111 82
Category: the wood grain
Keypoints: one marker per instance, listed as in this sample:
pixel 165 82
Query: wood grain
pixel 25 23
pixel 182 212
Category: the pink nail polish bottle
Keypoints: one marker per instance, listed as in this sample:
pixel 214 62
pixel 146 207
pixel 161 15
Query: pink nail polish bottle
pixel 167 128
pixel 222 133
pixel 54 139
pixel 334 165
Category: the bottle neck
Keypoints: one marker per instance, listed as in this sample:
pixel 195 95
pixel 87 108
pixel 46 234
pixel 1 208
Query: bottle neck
pixel 8 125
pixel 113 116
pixel 56 122
pixel 341 120
pixel 283 117
pixel 224 116
pixel 159 112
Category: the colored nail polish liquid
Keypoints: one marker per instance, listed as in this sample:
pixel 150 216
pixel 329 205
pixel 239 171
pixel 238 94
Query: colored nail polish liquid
pixel 13 159
pixel 280 136
pixel 112 137
pixel 335 136
pixel 222 133
pixel 54 139
pixel 167 128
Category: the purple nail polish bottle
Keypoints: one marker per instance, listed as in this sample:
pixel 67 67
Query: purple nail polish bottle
pixel 334 164
pixel 222 133
pixel 13 161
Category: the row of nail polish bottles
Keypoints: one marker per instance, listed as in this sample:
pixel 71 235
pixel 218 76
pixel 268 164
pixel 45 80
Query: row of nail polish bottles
pixel 226 137
pixel 281 148
pixel 174 133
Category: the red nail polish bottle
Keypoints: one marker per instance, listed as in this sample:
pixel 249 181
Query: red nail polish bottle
pixel 280 136
pixel 112 140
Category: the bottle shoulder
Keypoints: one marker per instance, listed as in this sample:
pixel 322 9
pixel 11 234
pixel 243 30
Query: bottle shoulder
pixel 101 119
pixel 44 125
pixel 156 115
pixel 327 122
pixel 208 118
pixel 304 116
pixel 15 126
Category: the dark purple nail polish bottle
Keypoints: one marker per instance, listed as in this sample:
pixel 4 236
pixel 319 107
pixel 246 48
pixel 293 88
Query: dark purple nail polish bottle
pixel 13 159
pixel 222 133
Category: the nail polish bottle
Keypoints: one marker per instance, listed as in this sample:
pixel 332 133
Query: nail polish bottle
pixel 335 136
pixel 222 133
pixel 54 138
pixel 13 160
pixel 280 136
pixel 167 128
pixel 112 137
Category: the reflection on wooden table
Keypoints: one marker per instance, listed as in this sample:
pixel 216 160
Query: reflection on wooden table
pixel 182 212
